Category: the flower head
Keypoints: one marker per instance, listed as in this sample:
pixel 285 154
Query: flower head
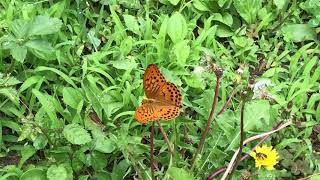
pixel 265 156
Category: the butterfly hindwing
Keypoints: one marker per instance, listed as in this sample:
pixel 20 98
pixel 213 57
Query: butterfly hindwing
pixel 152 111
pixel 163 98
pixel 171 94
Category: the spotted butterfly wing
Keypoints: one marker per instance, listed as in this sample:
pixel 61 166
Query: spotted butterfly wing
pixel 163 98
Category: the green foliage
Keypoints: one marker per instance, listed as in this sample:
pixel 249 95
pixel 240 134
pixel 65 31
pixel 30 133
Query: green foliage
pixel 75 134
pixel 25 35
pixel 71 78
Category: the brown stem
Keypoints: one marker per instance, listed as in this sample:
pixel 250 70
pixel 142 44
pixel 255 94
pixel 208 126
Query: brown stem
pixel 151 151
pixel 207 127
pixel 219 171
pixel 241 139
pixel 186 139
pixel 309 177
pixel 165 136
pixel 228 101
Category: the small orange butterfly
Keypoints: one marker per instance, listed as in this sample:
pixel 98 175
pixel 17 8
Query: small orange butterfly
pixel 163 98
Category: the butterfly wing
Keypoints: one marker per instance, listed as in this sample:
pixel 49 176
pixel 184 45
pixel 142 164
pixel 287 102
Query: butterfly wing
pixel 151 111
pixel 156 87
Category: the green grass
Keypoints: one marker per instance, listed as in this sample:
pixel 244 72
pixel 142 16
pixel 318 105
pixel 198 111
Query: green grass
pixel 71 78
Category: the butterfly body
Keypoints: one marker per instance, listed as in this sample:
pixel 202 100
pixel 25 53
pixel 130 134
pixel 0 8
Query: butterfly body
pixel 163 98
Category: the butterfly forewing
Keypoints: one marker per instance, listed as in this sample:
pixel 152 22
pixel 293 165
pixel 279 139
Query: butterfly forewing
pixel 164 98
pixel 156 87
pixel 153 80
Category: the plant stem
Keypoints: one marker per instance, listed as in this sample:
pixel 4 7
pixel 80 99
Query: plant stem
pixel 207 127
pixel 228 101
pixel 151 151
pixel 241 139
pixel 219 171
pixel 165 136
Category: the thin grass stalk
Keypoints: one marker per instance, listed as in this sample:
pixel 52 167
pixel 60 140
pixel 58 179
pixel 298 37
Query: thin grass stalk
pixel 207 127
pixel 241 139
pixel 152 151
pixel 165 136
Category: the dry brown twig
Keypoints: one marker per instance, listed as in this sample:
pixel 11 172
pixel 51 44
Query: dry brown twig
pixel 165 136
pixel 229 168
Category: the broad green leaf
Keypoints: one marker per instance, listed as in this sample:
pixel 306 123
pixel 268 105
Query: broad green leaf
pixel 97 160
pixel 195 81
pixel 198 4
pixel 224 31
pixel 41 48
pixel 10 93
pixel 48 107
pixel 204 35
pixel 102 143
pixel 29 82
pixel 227 122
pixel 10 124
pixel 171 76
pixel 257 115
pixel 11 171
pixel 285 142
pixel 8 80
pixel 84 177
pixel 26 131
pixel 256 118
pixel 93 93
pixel 58 9
pixel 125 64
pixel 72 97
pixel 224 18
pixel 177 27
pixel 40 142
pixel 93 39
pixel 161 38
pixel 148 27
pixel 43 25
pixel 60 73
pixel 272 71
pixel 174 2
pixel 296 57
pixel 1 138
pixel 130 4
pixel 20 28
pixel 179 174
pixel 181 50
pixel 119 28
pixel 298 32
pixel 76 134
pixel 55 172
pixel 242 41
pixel 281 4
pixel 120 169
pixel 318 113
pixel 248 9
pixel 110 105
pixel 33 174
pixel 19 53
pixel 131 23
pixel 126 46
pixel 102 72
pixel 27 152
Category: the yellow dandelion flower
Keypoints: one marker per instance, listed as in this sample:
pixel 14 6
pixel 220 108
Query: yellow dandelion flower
pixel 265 156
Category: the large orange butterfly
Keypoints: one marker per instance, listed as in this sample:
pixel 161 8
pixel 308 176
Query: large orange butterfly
pixel 163 98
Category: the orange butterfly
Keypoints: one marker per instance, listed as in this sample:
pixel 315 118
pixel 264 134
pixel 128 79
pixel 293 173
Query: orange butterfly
pixel 163 98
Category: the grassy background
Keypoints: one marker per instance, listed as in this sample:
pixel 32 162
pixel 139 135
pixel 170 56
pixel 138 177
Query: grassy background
pixel 71 79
